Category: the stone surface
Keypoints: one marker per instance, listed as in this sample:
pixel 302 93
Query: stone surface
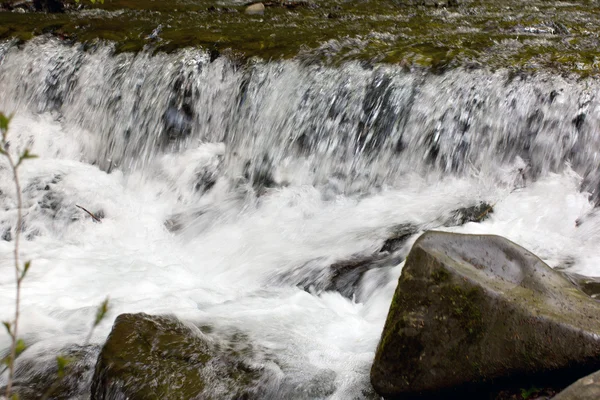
pixel 476 213
pixel 472 311
pixel 256 8
pixel 590 285
pixel 37 373
pixel 159 357
pixel 399 235
pixel 586 388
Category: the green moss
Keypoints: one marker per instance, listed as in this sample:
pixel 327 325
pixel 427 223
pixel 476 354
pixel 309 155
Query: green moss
pixel 383 31
pixel 151 357
pixel 440 275
pixel 464 306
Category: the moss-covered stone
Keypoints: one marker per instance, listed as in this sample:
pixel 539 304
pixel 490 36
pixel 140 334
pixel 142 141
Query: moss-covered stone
pixel 153 357
pixel 472 312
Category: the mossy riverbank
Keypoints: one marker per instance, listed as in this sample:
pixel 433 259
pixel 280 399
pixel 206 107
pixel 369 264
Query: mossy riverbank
pixel 437 34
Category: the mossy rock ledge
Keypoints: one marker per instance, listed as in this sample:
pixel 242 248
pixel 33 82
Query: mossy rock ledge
pixel 474 313
pixel 159 357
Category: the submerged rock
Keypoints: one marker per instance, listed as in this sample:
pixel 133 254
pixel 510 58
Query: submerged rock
pixel 398 237
pixel 588 285
pixel 475 311
pixel 586 388
pixel 345 276
pixel 476 213
pixel 37 373
pixel 149 357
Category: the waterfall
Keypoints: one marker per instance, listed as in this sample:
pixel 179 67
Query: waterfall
pixel 225 189
pixel 366 127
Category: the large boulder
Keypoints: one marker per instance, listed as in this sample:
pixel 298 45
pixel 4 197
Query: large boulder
pixel 586 388
pixel 159 357
pixel 474 311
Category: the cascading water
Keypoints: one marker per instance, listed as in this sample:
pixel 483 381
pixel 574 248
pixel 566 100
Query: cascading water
pixel 223 187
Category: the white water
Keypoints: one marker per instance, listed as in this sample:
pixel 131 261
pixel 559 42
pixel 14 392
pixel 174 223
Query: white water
pixel 225 267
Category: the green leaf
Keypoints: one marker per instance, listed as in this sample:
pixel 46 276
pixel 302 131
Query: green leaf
pixel 8 327
pixel 25 156
pixel 4 122
pixel 15 396
pixel 25 269
pixel 3 152
pixel 20 347
pixel 101 312
pixel 61 364
pixel 528 393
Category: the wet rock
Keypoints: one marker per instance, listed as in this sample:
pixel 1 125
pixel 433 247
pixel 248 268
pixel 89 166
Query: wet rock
pixel 259 173
pixel 345 276
pixel 255 9
pixel 179 221
pixel 399 235
pixel 586 388
pixel 477 213
pixel 177 123
pixel 320 386
pixel 18 6
pixel 588 285
pixel 50 6
pixel 380 116
pixel 222 10
pixel 475 311
pixel 578 121
pixel 148 357
pixel 37 374
pixel 7 235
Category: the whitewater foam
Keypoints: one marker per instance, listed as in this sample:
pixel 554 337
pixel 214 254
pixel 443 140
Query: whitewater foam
pixel 185 232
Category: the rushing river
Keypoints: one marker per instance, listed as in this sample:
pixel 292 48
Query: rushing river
pixel 223 187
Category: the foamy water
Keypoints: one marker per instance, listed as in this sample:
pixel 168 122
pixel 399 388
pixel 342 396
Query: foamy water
pixel 225 266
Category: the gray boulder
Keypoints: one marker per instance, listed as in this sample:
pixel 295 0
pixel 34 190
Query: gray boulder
pixel 587 388
pixel 474 311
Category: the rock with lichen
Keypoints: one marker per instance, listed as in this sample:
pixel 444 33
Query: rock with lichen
pixel 475 311
pixel 147 357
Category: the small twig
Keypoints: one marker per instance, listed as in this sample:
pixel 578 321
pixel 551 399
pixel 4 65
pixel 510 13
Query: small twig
pixel 19 274
pixel 489 209
pixel 96 219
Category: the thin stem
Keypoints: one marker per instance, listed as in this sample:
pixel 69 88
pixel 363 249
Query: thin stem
pixel 15 326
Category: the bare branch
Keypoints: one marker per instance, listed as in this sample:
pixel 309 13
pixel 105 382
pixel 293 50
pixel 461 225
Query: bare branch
pixel 96 219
